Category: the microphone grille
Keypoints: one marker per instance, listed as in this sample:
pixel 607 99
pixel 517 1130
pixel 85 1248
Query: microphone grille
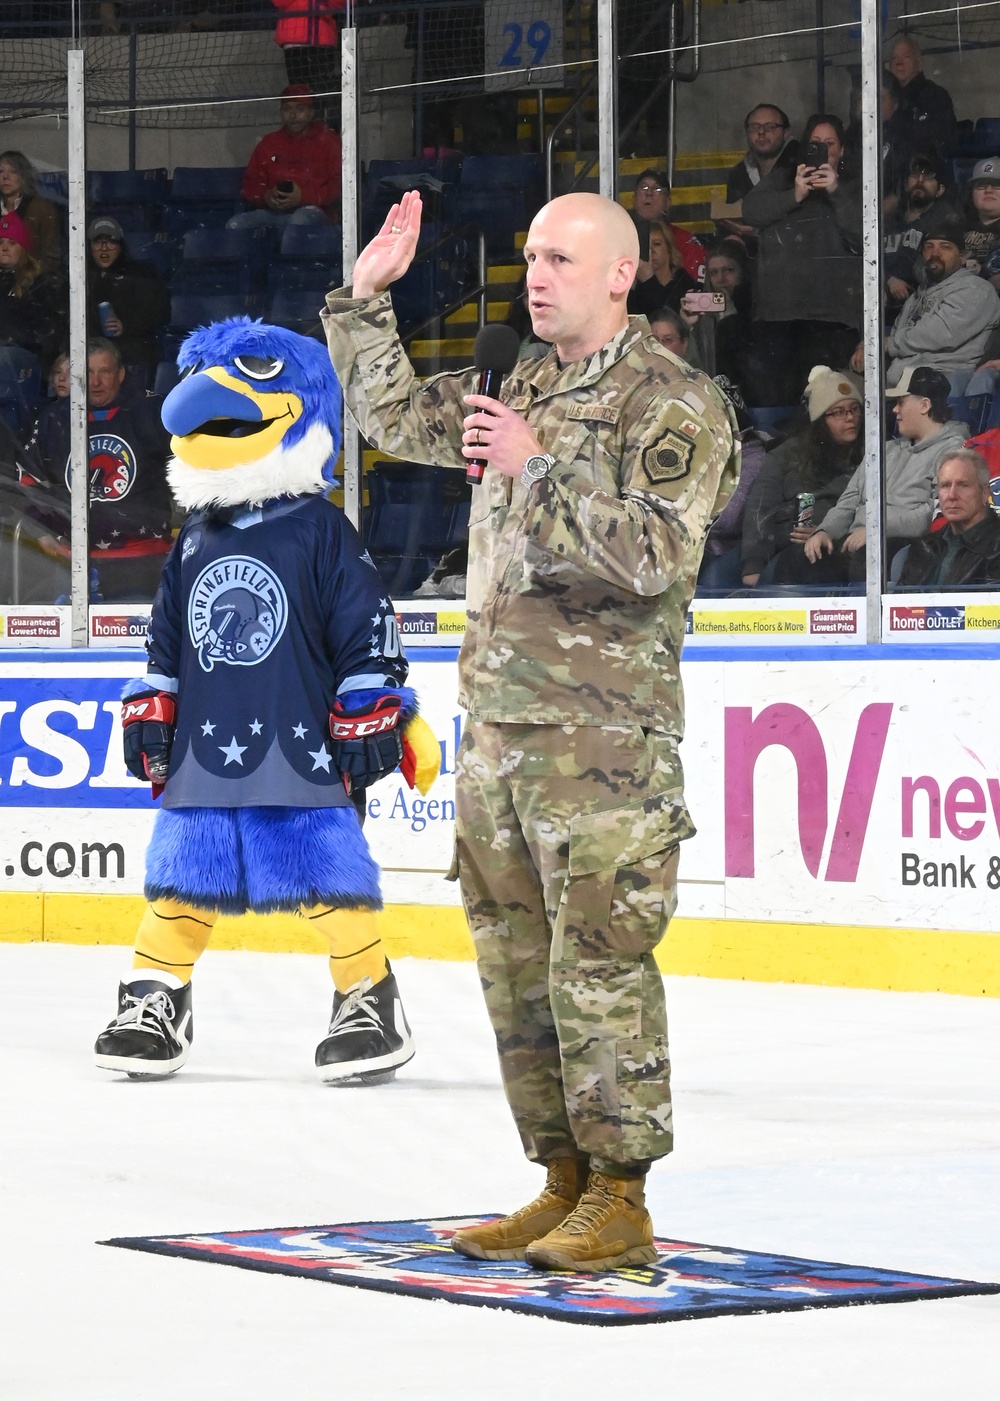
pixel 497 348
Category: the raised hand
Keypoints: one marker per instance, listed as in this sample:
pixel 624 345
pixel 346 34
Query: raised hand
pixel 386 258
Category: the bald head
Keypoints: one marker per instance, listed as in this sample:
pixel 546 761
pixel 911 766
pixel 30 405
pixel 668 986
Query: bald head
pixel 905 60
pixel 602 218
pixel 581 252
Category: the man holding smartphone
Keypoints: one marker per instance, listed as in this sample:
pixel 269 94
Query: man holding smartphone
pixel 293 175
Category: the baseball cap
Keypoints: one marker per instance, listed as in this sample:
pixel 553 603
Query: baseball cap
pixel 302 90
pixel 931 165
pixel 947 224
pixel 105 227
pixel 986 172
pixel 921 380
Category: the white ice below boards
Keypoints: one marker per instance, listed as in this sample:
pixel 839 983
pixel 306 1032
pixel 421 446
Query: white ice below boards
pixel 838 1125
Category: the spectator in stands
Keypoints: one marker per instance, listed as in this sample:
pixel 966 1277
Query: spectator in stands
pixel 308 34
pixel 30 317
pixel 967 551
pixel 927 432
pixel 19 192
pixel 59 376
pixel 720 340
pixel 947 323
pixel 670 329
pixel 130 504
pixel 769 144
pixel 293 175
pixel 136 300
pixel 652 205
pixel 903 230
pixel 925 119
pixel 818 461
pixel 809 267
pixel 982 236
pixel 896 149
pixel 721 566
pixel 669 279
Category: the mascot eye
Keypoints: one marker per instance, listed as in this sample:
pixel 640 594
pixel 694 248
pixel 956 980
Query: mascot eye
pixel 258 367
pixel 190 369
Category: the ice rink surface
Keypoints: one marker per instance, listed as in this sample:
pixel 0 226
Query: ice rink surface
pixel 850 1126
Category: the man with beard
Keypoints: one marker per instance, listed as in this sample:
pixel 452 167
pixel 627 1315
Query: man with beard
pixel 652 205
pixel 947 323
pixel 903 231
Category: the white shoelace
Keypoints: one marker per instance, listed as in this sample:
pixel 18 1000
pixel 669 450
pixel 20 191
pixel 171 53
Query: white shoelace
pixel 357 1011
pixel 148 1013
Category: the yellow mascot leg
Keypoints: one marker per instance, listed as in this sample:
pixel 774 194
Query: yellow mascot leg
pixel 172 937
pixel 356 950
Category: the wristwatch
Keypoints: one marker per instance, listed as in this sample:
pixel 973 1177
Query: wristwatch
pixel 539 465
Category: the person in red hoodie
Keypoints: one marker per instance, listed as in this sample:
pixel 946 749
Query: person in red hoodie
pixel 308 34
pixel 293 174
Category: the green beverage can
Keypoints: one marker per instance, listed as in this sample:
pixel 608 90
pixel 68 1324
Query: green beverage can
pixel 806 503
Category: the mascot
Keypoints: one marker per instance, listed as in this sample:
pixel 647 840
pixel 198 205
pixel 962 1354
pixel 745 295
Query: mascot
pixel 273 697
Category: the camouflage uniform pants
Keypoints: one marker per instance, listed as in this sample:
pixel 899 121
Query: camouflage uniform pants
pixel 567 844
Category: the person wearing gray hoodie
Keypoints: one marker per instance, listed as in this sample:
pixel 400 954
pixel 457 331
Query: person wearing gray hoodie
pixel 926 435
pixel 945 324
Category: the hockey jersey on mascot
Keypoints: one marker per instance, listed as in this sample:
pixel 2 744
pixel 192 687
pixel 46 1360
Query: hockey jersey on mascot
pixel 274 695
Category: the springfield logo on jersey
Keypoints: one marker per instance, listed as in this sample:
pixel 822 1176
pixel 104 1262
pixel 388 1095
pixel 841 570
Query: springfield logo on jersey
pixel 112 468
pixel 236 613
pixel 928 619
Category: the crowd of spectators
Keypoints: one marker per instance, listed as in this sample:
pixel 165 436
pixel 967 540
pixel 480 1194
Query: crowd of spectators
pixel 783 329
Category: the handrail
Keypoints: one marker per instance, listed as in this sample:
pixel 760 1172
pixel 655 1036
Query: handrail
pixel 478 292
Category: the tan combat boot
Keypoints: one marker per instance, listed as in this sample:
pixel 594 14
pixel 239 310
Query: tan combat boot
pixel 609 1227
pixel 506 1239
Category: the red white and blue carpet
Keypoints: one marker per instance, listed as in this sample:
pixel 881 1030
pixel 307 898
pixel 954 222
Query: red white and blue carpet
pixel 687 1281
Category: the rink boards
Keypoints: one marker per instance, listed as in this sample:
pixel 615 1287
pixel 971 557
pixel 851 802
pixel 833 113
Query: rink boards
pixel 847 801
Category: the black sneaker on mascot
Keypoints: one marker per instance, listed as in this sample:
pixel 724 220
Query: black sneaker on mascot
pixel 151 1035
pixel 369 1037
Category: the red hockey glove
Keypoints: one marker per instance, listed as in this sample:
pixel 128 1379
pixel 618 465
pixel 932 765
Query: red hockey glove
pixel 148 733
pixel 366 740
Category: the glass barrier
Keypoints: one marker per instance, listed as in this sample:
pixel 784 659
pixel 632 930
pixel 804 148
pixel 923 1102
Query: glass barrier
pixel 739 140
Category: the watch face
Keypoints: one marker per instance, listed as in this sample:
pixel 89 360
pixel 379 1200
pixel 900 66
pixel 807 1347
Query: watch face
pixel 537 466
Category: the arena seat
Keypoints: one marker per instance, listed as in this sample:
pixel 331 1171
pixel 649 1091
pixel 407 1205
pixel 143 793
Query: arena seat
pixel 190 310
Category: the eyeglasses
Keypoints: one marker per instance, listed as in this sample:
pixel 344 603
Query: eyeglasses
pixel 649 189
pixel 762 128
pixel 848 411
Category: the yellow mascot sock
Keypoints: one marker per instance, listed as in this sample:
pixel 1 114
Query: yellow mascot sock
pixel 172 937
pixel 356 950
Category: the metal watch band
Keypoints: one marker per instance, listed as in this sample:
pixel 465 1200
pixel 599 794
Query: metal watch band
pixel 537 466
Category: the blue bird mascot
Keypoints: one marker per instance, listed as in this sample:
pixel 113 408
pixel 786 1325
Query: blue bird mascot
pixel 274 695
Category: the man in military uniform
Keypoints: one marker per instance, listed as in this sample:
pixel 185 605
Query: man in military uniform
pixel 607 461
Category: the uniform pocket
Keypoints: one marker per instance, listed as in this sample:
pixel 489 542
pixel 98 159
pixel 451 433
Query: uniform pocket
pixel 647 1126
pixel 621 886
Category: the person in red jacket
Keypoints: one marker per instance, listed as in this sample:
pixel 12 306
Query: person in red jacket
pixel 293 174
pixel 308 34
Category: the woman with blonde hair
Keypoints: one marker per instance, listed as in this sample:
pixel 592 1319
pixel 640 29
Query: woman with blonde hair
pixel 29 317
pixel 19 194
pixel 670 279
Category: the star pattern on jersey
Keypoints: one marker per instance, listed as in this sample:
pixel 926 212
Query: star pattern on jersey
pixel 208 728
pixel 320 758
pixel 300 731
pixel 255 727
pixel 234 752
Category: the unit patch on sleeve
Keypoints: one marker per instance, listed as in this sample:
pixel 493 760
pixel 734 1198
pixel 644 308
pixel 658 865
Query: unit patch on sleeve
pixel 670 459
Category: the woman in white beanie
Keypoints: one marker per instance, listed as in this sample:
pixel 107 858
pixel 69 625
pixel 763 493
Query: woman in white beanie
pixel 817 462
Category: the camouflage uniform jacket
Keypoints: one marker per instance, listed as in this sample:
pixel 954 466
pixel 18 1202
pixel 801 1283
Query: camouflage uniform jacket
pixel 579 585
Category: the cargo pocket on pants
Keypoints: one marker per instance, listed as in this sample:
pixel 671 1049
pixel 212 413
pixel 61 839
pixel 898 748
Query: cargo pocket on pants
pixel 621 885
pixel 647 1129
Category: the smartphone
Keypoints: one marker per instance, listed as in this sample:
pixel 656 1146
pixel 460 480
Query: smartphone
pixel 816 154
pixel 704 301
pixel 284 187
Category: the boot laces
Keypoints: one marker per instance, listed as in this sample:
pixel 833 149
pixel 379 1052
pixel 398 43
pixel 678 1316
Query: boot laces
pixel 591 1211
pixel 147 1013
pixel 358 1011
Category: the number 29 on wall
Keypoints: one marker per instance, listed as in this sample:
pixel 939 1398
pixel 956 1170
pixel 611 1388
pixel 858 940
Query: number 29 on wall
pixel 526 44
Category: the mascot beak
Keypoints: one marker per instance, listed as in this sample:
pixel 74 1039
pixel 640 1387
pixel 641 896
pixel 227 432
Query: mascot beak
pixel 217 421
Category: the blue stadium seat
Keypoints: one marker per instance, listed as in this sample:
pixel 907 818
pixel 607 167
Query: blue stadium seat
pixel 127 186
pixel 224 280
pixel 773 420
pixel 323 241
pixel 228 245
pixel 177 219
pixel 210 184
pixel 974 410
pixel 53 185
pixel 20 386
pixel 987 135
pixel 298 310
pixel 134 218
pixel 188 311
pixel 167 375
pixel 316 277
pixel 155 248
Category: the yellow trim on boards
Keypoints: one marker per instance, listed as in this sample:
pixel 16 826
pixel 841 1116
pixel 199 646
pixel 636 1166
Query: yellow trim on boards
pixel 901 960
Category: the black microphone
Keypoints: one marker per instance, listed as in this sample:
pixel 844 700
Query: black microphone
pixel 496 350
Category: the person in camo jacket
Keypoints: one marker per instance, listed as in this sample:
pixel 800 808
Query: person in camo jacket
pixel 607 461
